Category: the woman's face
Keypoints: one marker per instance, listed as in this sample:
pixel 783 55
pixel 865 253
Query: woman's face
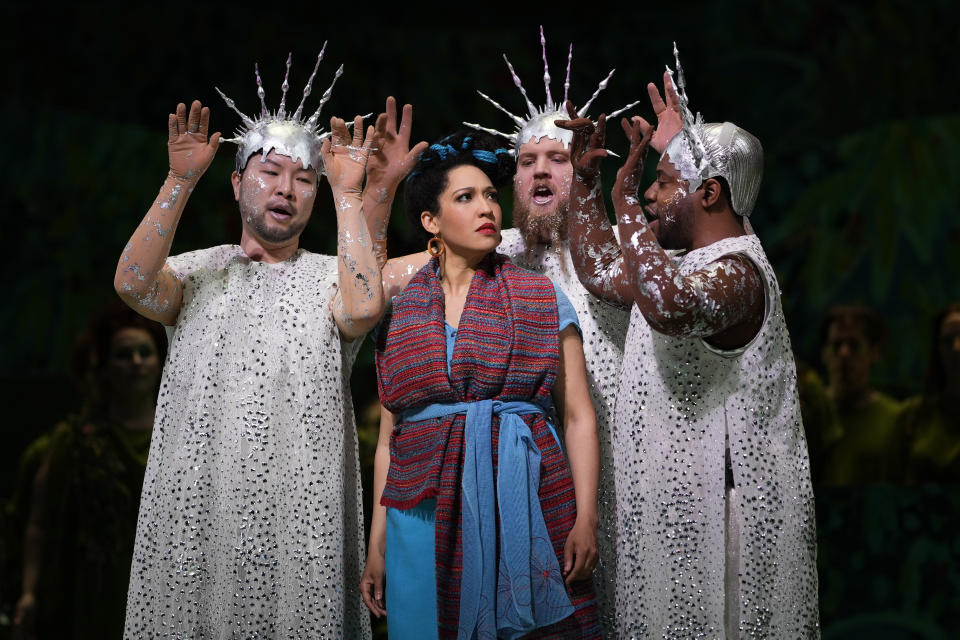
pixel 133 365
pixel 950 344
pixel 469 215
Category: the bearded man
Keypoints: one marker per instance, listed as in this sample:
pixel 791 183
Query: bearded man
pixel 250 522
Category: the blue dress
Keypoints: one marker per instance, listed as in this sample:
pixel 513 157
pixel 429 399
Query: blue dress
pixel 411 591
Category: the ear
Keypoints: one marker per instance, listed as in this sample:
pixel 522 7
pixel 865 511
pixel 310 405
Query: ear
pixel 712 193
pixel 429 221
pixel 235 181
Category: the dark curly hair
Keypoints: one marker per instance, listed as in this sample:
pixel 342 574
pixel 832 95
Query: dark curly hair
pixel 429 177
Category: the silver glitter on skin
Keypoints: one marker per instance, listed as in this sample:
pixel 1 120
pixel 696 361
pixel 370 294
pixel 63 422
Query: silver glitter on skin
pixel 358 269
pixel 389 163
pixel 702 304
pixel 141 275
pixel 543 170
pixel 698 557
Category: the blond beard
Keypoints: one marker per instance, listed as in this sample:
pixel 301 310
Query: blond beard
pixel 542 228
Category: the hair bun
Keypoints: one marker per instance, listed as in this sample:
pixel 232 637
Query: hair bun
pixel 483 150
pixel 429 176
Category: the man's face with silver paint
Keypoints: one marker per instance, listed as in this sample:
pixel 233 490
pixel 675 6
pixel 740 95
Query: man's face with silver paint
pixel 669 208
pixel 276 197
pixel 541 190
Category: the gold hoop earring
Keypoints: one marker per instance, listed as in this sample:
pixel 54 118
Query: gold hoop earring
pixel 435 246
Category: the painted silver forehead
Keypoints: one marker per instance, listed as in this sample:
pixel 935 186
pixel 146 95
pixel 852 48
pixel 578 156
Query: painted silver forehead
pixel 286 139
pixel 290 135
pixel 538 123
pixel 709 150
pixel 543 126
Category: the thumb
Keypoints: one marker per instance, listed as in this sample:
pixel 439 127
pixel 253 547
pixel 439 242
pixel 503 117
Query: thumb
pixel 567 557
pixel 215 141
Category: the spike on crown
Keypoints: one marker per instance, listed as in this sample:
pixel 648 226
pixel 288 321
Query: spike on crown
pixel 692 159
pixel 291 136
pixel 701 151
pixel 539 122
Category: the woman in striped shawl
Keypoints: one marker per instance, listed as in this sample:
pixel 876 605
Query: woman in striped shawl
pixel 481 525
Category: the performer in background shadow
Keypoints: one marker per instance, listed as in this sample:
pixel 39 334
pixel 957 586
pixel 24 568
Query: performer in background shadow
pixel 81 487
pixel 865 441
pixel 931 421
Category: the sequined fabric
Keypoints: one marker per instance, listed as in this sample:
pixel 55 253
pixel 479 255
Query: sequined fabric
pixel 250 522
pixel 604 328
pixel 680 401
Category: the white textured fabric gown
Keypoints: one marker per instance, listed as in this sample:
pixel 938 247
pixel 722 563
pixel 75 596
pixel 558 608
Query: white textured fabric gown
pixel 604 328
pixel 679 402
pixel 250 521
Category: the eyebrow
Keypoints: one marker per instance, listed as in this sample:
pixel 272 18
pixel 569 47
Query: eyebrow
pixel 299 169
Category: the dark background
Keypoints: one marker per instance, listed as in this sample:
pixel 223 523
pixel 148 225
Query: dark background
pixel 856 105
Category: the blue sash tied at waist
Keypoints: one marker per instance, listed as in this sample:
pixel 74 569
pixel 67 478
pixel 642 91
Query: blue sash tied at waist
pixel 527 592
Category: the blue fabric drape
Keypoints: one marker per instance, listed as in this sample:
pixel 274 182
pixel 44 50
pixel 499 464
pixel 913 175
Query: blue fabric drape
pixel 526 591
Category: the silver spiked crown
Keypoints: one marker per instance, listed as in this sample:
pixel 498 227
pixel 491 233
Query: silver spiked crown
pixel 708 150
pixel 287 134
pixel 539 122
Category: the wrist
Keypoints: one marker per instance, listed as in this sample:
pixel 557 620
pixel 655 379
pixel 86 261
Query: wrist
pixel 383 189
pixel 588 179
pixel 587 518
pixel 190 178
pixel 346 192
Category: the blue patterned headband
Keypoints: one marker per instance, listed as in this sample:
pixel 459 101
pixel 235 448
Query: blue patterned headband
pixel 444 151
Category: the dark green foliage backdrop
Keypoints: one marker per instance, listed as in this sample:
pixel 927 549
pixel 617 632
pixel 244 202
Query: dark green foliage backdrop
pixel 856 104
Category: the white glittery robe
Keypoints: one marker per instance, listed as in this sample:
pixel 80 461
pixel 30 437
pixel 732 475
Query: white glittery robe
pixel 679 403
pixel 604 328
pixel 250 521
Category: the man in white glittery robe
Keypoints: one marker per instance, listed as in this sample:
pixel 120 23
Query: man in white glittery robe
pixel 250 522
pixel 715 518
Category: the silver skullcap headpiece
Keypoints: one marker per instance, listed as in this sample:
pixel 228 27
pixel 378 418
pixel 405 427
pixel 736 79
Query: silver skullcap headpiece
pixel 709 150
pixel 539 123
pixel 288 135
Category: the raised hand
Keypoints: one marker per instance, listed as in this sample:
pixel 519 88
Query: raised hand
pixel 187 145
pixel 669 120
pixel 392 159
pixel 626 198
pixel 586 149
pixel 345 156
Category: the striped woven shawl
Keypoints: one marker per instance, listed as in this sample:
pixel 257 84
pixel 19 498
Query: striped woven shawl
pixel 507 349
